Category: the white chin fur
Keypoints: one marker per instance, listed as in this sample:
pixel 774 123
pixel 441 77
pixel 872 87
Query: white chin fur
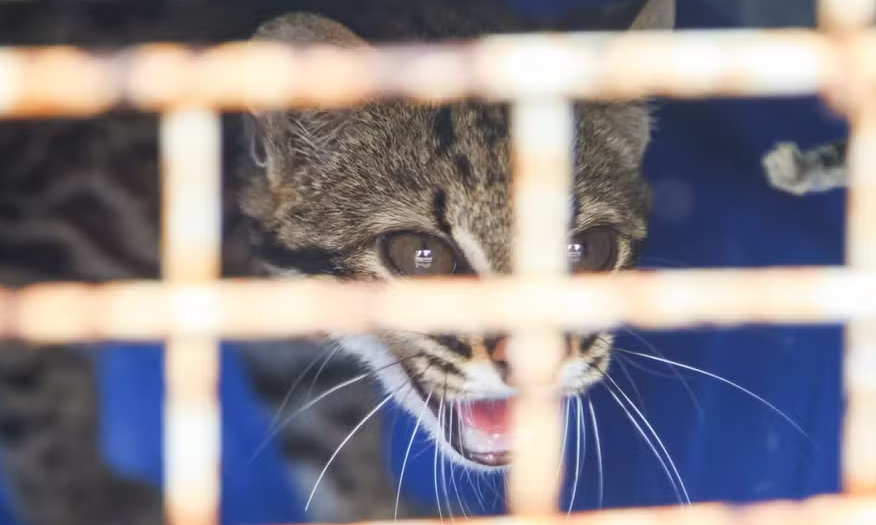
pixel 575 378
pixel 394 379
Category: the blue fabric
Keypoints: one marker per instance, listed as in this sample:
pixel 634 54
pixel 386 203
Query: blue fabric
pixel 713 208
pixel 256 489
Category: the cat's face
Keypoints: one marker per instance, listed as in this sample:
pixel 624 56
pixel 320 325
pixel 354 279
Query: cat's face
pixel 392 191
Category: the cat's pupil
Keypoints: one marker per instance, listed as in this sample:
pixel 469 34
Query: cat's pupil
pixel 594 250
pixel 418 254
pixel 423 259
pixel 576 252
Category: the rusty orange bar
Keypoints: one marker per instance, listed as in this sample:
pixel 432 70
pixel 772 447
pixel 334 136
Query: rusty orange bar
pixel 255 309
pixel 851 94
pixel 65 81
pixel 846 23
pixel 836 16
pixel 859 438
pixel 191 244
pixel 543 132
pixel 819 510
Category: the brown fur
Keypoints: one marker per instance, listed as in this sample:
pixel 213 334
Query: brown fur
pixel 331 183
pixel 79 200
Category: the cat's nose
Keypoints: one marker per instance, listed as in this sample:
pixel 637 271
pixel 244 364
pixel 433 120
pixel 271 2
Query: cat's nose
pixel 497 350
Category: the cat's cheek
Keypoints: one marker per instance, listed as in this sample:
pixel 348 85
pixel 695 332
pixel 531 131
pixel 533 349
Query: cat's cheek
pixel 384 364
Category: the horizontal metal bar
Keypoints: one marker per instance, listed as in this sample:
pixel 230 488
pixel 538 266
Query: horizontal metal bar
pixel 820 510
pixel 257 309
pixel 45 81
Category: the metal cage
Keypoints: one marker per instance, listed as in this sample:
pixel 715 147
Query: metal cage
pixel 191 308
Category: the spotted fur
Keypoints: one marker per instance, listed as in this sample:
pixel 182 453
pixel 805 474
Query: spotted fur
pixel 333 182
pixel 79 200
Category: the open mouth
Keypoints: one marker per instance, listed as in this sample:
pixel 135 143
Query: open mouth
pixel 478 429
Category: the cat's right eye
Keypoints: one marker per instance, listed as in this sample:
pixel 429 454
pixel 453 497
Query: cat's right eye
pixel 593 250
pixel 418 254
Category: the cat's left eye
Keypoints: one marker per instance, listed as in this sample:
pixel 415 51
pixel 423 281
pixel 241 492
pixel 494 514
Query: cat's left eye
pixel 418 254
pixel 594 250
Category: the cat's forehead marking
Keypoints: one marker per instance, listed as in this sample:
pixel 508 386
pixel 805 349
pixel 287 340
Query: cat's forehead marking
pixel 473 251
pixel 444 131
pixel 439 211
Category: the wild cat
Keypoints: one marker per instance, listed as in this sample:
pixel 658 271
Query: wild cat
pixel 381 191
pixel 390 191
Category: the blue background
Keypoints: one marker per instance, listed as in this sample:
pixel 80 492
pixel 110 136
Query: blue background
pixel 713 208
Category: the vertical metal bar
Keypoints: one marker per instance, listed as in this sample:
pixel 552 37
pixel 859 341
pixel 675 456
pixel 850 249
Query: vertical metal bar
pixel 11 67
pixel 191 166
pixel 542 134
pixel 859 438
pixel 844 15
pixel 843 19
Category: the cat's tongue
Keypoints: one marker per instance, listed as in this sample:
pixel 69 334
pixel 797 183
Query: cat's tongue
pixel 484 428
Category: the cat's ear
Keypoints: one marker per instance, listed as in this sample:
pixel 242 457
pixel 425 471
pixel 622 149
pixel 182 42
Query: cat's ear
pixel 655 15
pixel 616 16
pixel 306 29
pixel 278 138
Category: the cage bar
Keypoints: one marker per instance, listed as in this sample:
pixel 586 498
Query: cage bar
pixel 836 16
pixel 192 308
pixel 239 308
pixel 819 510
pixel 191 247
pixel 43 81
pixel 843 20
pixel 859 451
pixel 543 135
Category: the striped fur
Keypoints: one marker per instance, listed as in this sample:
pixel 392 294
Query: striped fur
pixel 79 200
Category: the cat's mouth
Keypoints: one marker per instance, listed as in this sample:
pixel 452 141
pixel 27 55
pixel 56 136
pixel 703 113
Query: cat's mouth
pixel 478 429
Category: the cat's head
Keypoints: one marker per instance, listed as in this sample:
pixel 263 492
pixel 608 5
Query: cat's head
pixel 389 191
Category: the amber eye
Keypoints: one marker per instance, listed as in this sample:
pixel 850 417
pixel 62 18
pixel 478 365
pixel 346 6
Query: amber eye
pixel 418 254
pixel 594 250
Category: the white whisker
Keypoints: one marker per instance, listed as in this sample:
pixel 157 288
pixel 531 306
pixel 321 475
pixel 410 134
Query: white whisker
pixel 725 381
pixel 476 486
pixel 656 437
pixel 273 433
pixel 435 465
pixel 462 505
pixel 580 442
pixel 344 442
pixel 598 450
pixel 447 410
pixel 493 487
pixel 325 363
pixel 632 381
pixel 288 397
pixel 684 382
pixel 401 476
